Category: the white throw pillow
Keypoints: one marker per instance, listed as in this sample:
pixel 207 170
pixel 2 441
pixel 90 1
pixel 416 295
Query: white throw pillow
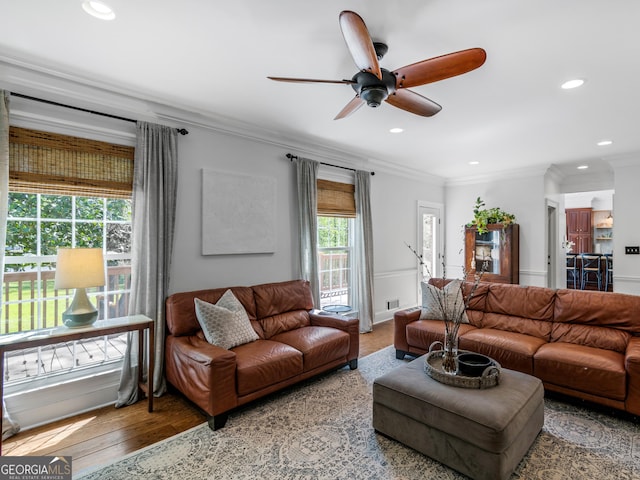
pixel 449 298
pixel 225 324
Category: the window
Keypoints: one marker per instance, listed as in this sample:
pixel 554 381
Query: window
pixel 335 254
pixel 64 192
pixel 36 226
pixel 336 213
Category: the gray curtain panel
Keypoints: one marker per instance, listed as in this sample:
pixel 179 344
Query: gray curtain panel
pixel 153 220
pixel 307 177
pixel 9 427
pixel 364 250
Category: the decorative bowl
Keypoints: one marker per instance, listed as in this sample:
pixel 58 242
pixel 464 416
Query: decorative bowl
pixel 473 364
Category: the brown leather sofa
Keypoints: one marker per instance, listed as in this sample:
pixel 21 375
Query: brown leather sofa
pixel 296 343
pixel 585 344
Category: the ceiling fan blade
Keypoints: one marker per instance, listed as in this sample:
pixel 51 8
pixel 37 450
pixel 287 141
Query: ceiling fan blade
pixel 359 42
pixel 350 107
pixel 413 102
pixel 439 68
pixel 309 80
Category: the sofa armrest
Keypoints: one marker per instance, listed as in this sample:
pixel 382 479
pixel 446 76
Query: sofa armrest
pixel 205 373
pixel 346 324
pixel 401 319
pixel 632 366
pixel 324 319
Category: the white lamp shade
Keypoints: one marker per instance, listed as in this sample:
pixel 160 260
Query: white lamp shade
pixel 79 268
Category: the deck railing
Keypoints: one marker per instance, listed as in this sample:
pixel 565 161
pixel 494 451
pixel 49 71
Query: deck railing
pixel 335 274
pixel 26 308
pixel 31 301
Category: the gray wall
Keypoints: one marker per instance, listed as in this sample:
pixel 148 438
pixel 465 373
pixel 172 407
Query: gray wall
pixel 394 205
pixel 522 196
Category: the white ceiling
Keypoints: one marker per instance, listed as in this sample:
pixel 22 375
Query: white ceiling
pixel 212 57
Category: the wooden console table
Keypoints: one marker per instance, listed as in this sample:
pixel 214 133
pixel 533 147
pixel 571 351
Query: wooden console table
pixel 62 334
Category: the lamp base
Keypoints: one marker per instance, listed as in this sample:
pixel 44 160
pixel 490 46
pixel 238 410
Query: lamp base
pixel 81 313
pixel 77 320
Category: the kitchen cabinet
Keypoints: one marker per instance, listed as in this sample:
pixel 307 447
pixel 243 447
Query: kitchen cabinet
pixel 580 229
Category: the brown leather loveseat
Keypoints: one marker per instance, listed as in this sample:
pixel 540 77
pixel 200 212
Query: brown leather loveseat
pixel 585 344
pixel 295 343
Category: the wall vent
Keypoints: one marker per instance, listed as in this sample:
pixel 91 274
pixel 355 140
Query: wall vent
pixel 391 304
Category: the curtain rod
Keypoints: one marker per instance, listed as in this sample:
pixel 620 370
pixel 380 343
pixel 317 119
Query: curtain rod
pixel 292 157
pixel 181 131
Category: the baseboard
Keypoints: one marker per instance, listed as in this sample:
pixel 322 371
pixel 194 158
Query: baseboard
pixel 40 406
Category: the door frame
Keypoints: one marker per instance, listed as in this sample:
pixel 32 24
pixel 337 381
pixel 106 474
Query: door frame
pixel 552 242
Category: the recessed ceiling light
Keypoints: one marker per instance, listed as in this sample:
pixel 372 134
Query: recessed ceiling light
pixel 98 9
pixel 583 167
pixel 604 143
pixel 474 162
pixel 575 83
pixel 396 130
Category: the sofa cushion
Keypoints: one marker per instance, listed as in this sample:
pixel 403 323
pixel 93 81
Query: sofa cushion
pixel 586 369
pixel 438 302
pixel 475 297
pixel 591 336
pixel 536 303
pixel 607 309
pixel 276 298
pixel 264 363
pixel 319 345
pixel 422 333
pixel 478 293
pixel 284 322
pixel 181 312
pixel 282 306
pixel 226 323
pixel 512 350
pixel 511 323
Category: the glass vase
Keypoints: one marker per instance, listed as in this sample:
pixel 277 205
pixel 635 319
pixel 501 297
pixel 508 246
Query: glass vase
pixel 450 354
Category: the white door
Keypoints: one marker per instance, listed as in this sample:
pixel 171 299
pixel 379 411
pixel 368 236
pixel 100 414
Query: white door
pixel 430 239
pixel 553 240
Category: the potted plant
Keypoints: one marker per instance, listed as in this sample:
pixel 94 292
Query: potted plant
pixel 487 216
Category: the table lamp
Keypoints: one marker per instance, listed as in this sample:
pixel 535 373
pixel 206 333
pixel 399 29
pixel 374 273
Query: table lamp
pixel 79 268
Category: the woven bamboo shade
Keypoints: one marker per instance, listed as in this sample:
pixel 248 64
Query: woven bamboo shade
pixel 50 163
pixel 336 199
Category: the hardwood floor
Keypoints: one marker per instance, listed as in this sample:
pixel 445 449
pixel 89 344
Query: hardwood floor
pixel 106 434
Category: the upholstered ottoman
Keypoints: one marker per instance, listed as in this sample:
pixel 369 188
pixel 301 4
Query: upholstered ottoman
pixel 481 433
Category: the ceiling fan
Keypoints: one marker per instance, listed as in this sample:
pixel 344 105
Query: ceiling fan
pixel 373 84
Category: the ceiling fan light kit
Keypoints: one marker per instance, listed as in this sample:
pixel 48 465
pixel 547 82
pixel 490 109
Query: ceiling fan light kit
pixel 374 85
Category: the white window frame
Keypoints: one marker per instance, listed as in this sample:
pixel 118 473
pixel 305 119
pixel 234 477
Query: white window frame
pixel 350 295
pixel 74 372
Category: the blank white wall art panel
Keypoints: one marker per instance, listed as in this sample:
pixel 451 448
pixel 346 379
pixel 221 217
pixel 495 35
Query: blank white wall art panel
pixel 238 213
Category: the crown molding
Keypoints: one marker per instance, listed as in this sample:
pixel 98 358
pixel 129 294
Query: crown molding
pixel 40 81
pixel 538 171
pixel 23 77
pixel 406 172
pixel 630 159
pixel 555 174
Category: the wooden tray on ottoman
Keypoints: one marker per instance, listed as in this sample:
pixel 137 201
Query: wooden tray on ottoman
pixel 433 367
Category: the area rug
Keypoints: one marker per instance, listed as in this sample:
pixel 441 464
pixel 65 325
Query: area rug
pixel 321 429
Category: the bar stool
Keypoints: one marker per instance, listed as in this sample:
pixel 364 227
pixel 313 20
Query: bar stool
pixel 608 277
pixel 590 267
pixel 572 269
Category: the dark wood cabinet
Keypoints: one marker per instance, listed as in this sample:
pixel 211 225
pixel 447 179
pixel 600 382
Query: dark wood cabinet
pixel 497 252
pixel 580 229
